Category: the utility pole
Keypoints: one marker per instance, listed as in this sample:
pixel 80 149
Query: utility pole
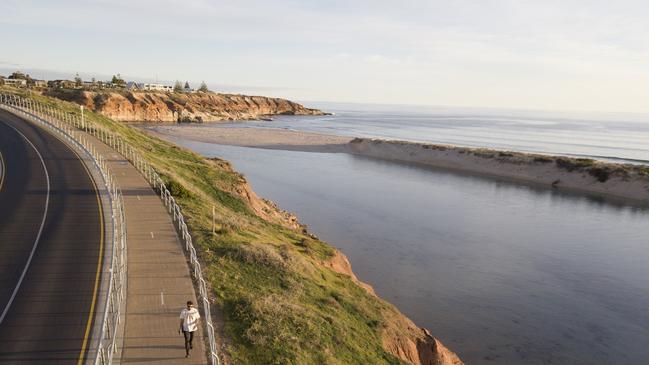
pixel 213 220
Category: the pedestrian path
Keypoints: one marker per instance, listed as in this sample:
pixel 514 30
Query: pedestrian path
pixel 159 280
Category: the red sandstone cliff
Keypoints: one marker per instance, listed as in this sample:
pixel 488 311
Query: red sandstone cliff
pixel 161 107
pixel 399 335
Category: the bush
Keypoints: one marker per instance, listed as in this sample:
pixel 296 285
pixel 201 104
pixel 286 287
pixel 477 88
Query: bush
pixel 572 164
pixel 643 171
pixel 543 159
pixel 177 190
pixel 276 328
pixel 602 174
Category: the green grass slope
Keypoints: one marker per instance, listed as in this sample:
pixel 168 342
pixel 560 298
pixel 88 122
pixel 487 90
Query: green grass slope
pixel 281 302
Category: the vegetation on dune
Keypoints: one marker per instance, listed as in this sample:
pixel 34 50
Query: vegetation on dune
pixel 281 304
pixel 599 170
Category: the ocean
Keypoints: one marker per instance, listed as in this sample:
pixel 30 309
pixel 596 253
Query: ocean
pixel 616 137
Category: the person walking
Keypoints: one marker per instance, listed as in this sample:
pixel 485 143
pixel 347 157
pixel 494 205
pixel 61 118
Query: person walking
pixel 188 325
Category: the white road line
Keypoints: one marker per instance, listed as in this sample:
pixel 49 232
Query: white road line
pixel 162 298
pixel 138 197
pixel 40 230
pixel 2 170
pixel 152 235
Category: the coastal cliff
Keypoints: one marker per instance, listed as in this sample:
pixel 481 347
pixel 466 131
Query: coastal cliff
pixel 159 107
pixel 624 181
pixel 399 336
pixel 279 294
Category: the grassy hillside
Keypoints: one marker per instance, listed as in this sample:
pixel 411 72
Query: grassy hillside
pixel 280 301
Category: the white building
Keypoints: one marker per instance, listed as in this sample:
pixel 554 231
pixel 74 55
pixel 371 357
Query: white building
pixel 15 82
pixel 157 87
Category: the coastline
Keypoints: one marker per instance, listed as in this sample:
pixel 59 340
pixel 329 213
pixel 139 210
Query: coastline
pixel 267 138
pixel 611 180
pixel 268 278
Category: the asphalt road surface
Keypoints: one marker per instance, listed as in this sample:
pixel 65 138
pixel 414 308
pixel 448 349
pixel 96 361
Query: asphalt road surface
pixel 51 242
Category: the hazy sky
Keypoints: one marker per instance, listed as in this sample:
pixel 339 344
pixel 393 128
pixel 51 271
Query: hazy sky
pixel 547 54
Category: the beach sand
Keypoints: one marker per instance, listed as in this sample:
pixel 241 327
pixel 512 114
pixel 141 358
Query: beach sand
pixel 617 180
pixel 279 139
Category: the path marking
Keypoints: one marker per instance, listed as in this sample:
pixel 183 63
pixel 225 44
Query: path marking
pixel 162 298
pixel 138 197
pixel 84 344
pixel 3 170
pixel 40 230
pixel 152 235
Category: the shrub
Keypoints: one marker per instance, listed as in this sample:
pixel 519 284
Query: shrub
pixel 643 171
pixel 543 159
pixel 484 153
pixel 176 189
pixel 572 164
pixel 259 254
pixel 602 174
pixel 275 328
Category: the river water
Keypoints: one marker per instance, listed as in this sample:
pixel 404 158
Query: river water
pixel 502 273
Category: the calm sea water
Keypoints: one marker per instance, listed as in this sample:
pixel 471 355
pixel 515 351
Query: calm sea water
pixel 609 136
pixel 501 273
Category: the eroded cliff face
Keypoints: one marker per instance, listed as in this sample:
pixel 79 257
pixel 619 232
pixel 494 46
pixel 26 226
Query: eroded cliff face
pixel 179 107
pixel 399 336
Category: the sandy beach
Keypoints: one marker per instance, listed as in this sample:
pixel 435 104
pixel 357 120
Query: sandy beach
pixel 280 139
pixel 613 180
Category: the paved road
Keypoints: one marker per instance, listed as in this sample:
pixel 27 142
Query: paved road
pixel 51 240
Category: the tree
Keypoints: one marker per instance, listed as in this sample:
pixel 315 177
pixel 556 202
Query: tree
pixel 18 75
pixel 203 88
pixel 178 87
pixel 117 80
pixel 187 87
pixel 30 81
pixel 78 82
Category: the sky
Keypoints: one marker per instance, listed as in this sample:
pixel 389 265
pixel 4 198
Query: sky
pixel 583 55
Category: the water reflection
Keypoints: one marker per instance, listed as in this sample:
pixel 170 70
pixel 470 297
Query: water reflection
pixel 502 273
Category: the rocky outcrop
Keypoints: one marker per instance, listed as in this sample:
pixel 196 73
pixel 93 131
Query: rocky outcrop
pixel 160 107
pixel 400 336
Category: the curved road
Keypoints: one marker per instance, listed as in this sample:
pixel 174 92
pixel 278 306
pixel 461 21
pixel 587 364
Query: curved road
pixel 51 242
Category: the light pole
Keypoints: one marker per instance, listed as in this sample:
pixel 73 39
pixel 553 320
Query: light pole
pixel 82 122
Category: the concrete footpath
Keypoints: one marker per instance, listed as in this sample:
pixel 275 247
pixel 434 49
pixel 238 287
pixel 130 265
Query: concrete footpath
pixel 159 280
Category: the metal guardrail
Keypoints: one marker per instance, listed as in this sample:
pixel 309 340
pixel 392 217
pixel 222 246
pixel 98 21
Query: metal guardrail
pixel 64 125
pixel 154 179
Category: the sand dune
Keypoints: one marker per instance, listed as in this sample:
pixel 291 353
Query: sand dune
pixel 607 179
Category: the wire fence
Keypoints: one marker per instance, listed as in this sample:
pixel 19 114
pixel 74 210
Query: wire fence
pixel 71 126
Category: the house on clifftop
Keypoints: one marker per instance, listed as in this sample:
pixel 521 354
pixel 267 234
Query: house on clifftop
pixel 15 82
pixel 157 87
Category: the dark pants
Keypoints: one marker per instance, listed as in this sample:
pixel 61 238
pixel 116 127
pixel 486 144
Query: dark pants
pixel 189 337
